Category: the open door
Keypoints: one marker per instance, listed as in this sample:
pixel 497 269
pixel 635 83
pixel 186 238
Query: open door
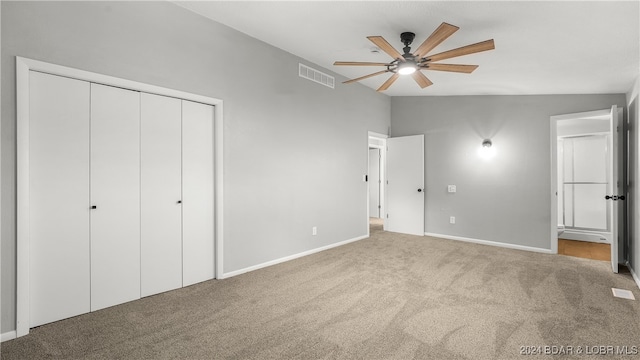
pixel 617 197
pixel 405 185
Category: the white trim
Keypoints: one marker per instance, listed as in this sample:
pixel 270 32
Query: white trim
pixel 218 124
pixel 634 275
pixel 491 243
pixel 582 115
pixel 22 194
pixel 23 66
pixel 374 134
pixel 288 258
pixel 553 135
pixel 9 335
pixel 1 312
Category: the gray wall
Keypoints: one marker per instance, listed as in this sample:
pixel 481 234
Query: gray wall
pixel 633 198
pixel 294 151
pixel 504 199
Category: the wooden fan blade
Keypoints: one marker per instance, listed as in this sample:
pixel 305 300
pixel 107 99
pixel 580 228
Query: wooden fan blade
pixel 365 77
pixel 438 36
pixel 421 79
pixel 388 83
pixel 465 50
pixel 358 63
pixel 467 69
pixel 386 47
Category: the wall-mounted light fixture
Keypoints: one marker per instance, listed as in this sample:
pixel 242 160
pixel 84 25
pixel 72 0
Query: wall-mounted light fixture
pixel 487 151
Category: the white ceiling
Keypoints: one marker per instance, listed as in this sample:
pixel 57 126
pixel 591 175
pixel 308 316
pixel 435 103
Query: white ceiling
pixel 542 47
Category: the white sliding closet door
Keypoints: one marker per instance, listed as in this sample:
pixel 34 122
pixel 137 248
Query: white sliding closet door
pixel 197 192
pixel 161 194
pixel 59 198
pixel 115 192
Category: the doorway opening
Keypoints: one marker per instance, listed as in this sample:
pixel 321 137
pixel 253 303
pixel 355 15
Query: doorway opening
pixel 586 198
pixel 375 182
pixel 401 196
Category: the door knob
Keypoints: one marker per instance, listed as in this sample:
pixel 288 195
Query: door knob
pixel 608 197
pixel 93 207
pixel 179 201
pixel 419 190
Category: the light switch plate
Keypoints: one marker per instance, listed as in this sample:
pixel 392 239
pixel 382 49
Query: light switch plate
pixel 451 188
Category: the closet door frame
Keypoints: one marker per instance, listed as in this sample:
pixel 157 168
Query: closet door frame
pixel 23 67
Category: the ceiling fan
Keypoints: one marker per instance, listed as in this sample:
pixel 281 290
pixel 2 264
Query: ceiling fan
pixel 412 63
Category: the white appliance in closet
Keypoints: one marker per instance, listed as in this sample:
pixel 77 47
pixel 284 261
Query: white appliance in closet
pixel 120 195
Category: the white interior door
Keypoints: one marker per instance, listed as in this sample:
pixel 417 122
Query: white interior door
pixel 616 205
pixel 374 183
pixel 59 198
pixel 197 193
pixel 161 194
pixel 405 185
pixel 115 192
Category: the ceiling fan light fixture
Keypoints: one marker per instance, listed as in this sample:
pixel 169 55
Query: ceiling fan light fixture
pixel 411 63
pixel 407 68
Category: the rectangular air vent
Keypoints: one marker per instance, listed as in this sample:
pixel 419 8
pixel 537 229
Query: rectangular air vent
pixel 316 76
pixel 625 294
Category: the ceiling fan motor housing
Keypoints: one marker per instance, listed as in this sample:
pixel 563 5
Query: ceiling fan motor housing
pixel 407 39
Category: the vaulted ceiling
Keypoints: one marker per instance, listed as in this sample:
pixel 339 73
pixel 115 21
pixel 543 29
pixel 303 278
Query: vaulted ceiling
pixel 542 47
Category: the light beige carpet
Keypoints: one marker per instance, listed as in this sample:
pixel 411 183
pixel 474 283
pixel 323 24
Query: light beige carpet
pixel 386 297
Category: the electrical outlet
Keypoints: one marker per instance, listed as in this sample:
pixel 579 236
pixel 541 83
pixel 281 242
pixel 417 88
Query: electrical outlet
pixel 452 219
pixel 314 230
pixel 451 188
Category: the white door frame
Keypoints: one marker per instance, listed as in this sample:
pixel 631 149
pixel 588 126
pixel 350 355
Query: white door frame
pixel 554 169
pixel 23 66
pixel 371 176
pixel 383 172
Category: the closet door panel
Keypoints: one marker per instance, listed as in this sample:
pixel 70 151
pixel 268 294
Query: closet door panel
pixel 161 187
pixel 59 198
pixel 115 191
pixel 197 192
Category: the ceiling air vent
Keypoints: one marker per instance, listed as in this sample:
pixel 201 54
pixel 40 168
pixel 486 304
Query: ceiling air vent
pixel 316 76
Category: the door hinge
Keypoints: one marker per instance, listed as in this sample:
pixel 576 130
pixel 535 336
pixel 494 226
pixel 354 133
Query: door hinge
pixel 387 216
pixel 379 207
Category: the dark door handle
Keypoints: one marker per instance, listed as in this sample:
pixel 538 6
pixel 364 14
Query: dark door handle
pixel 621 197
pixel 93 207
pixel 179 201
pixel 419 190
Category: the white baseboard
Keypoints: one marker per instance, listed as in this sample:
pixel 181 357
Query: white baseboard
pixel 287 258
pixel 633 273
pixel 596 237
pixel 9 335
pixel 491 243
